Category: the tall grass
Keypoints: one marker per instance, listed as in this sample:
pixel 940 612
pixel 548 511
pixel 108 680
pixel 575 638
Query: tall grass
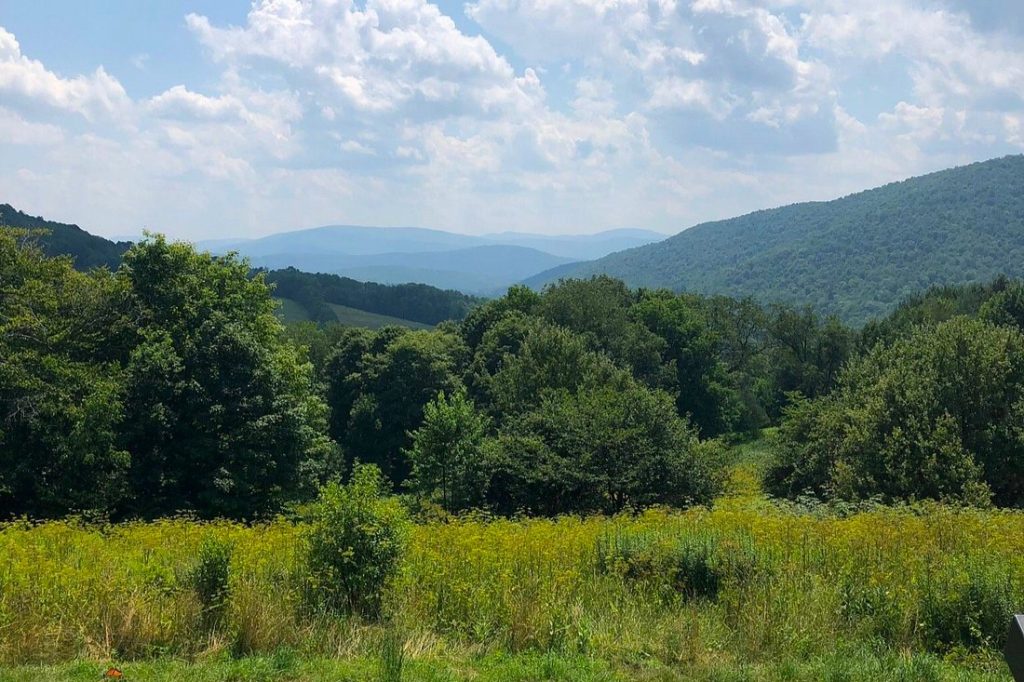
pixel 743 583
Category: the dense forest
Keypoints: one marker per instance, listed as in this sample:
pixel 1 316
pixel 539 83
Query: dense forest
pixel 60 239
pixel 416 302
pixel 169 385
pixel 855 257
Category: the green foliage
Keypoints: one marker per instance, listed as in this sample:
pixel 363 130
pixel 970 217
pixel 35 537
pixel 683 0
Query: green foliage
pixel 356 537
pixel 546 358
pixel 58 239
pixel 378 396
pixel 935 415
pixel 598 309
pixel 209 578
pixel 600 449
pixel 446 452
pixel 706 393
pixel 992 301
pixel 61 392
pixel 969 609
pixel 415 302
pixel 691 567
pixel 165 387
pixel 221 415
pixel 855 257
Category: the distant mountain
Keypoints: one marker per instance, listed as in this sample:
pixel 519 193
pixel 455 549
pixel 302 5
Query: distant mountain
pixel 857 257
pixel 482 265
pixel 580 247
pixel 89 251
pixel 478 269
pixel 324 298
pixel 351 240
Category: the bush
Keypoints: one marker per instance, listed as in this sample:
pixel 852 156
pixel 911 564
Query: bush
pixel 209 578
pixel 601 450
pixel 935 415
pixel 971 610
pixel 355 540
pixel 692 567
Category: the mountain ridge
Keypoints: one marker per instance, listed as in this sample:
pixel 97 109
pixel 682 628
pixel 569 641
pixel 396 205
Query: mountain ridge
pixel 856 256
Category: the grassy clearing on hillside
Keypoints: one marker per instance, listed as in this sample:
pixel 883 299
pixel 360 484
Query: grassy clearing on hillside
pixel 290 310
pixel 293 311
pixel 360 318
pixel 748 590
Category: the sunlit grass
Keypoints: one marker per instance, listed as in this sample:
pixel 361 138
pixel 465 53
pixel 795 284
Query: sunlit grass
pixel 747 590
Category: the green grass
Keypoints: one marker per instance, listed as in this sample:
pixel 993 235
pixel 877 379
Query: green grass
pixel 293 311
pixel 361 318
pixel 286 666
pixel 747 591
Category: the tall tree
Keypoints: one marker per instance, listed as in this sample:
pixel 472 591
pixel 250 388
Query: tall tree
pixel 61 393
pixel 446 453
pixel 221 414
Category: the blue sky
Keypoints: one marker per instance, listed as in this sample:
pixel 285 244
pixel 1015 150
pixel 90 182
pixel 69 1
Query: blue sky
pixel 216 118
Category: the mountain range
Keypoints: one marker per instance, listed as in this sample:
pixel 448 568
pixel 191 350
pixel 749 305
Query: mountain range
pixel 856 257
pixel 484 265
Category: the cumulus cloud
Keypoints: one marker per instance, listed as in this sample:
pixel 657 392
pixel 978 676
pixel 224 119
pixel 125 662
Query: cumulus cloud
pixel 390 56
pixel 27 79
pixel 526 114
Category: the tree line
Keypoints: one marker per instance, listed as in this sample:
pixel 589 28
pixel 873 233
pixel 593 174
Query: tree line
pixel 170 386
pixel 415 302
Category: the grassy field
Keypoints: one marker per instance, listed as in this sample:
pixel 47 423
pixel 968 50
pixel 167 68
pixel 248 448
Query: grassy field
pixel 361 318
pixel 292 311
pixel 747 590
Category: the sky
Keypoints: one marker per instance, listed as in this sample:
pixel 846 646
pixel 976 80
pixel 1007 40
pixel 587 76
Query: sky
pixel 205 119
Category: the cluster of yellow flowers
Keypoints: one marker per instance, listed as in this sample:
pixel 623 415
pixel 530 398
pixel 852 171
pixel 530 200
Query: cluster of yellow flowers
pixel 745 580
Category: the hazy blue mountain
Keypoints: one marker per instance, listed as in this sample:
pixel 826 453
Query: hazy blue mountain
pixel 477 270
pixel 581 247
pixel 351 240
pixel 474 264
pixel 857 256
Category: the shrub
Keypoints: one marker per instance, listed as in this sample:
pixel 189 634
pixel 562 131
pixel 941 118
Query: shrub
pixel 355 540
pixel 933 416
pixel 971 610
pixel 695 567
pixel 209 578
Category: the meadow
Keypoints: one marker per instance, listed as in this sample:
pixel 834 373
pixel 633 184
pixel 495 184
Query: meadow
pixel 749 589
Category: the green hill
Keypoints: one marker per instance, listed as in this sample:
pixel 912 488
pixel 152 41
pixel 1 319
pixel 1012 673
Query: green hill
pixel 89 251
pixel 857 257
pixel 293 311
pixel 320 294
pixel 322 298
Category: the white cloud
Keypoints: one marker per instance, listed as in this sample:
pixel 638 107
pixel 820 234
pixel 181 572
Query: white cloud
pixel 356 147
pixel 91 96
pixel 399 56
pixel 580 115
pixel 16 130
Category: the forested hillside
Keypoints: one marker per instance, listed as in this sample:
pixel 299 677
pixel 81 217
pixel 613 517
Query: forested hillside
pixel 314 294
pixel 856 257
pixel 415 302
pixel 60 239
